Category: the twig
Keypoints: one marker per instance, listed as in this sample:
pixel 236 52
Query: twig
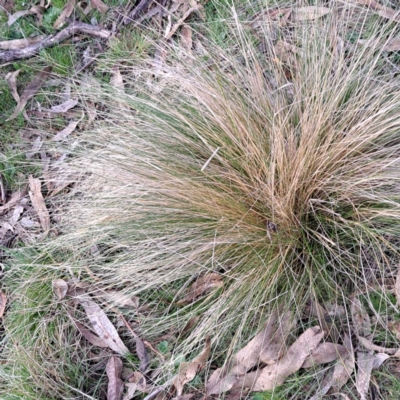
pixel 52 40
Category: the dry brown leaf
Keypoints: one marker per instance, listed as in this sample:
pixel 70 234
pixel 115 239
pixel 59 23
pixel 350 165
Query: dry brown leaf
pixel 20 43
pixel 324 353
pixel 365 363
pixel 65 13
pixel 371 346
pixel 60 288
pixel 63 107
pixel 323 317
pixel 30 91
pixel 276 374
pixel 130 394
pixel 309 13
pixel 15 198
pixel 267 347
pixel 7 5
pixel 115 384
pixel 37 10
pixel 14 17
pixel 99 6
pixel 360 318
pixel 379 359
pixel 38 203
pixel 344 368
pixel 188 370
pixel 116 298
pixel 89 336
pixel 37 144
pixel 170 32
pixel 11 79
pixel 383 11
pixel 3 302
pixel 202 286
pixel 190 325
pixel 64 133
pixel 116 79
pixel 186 37
pixel 397 287
pixel 102 325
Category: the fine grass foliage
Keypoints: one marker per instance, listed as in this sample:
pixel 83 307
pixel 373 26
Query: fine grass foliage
pixel 277 169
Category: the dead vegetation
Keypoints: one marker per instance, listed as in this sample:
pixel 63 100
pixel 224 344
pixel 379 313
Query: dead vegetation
pixel 212 218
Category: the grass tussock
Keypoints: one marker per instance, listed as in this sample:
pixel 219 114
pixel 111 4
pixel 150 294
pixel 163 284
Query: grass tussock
pixel 277 169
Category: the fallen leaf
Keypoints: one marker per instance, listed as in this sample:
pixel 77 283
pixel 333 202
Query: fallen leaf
pixel 64 133
pixel 130 394
pixel 365 363
pixel 63 107
pixel 7 5
pixel 324 353
pixel 20 43
pixel 276 374
pixel 266 347
pixel 186 396
pixel 60 288
pixel 112 296
pixel 371 346
pixel 190 325
pixel 140 380
pixel 102 325
pixel 186 37
pixel 14 17
pixel 37 144
pixel 38 203
pixel 89 336
pixel 383 11
pixel 188 370
pixel 18 210
pixel 170 32
pixel 65 13
pixel 38 10
pixel 30 91
pixel 3 302
pixel 379 359
pixel 202 286
pixel 325 320
pixel 360 318
pixel 116 79
pixel 309 13
pixel 15 198
pixel 99 6
pixel 344 368
pixel 115 384
pixel 397 287
pixel 11 79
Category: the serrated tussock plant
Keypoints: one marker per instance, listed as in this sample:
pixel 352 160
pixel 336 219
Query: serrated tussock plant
pixel 275 166
pixel 277 169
